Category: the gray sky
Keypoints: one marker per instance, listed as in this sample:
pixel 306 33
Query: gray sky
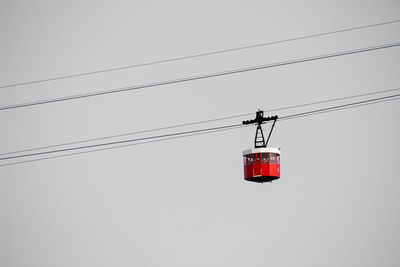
pixel 184 202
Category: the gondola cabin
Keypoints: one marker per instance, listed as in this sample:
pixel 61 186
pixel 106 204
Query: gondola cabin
pixel 261 164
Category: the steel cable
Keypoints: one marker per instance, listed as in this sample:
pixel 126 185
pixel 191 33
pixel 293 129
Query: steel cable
pixel 194 132
pixel 201 54
pixel 204 76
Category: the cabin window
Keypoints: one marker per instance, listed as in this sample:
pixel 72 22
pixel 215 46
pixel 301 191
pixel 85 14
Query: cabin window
pixel 244 161
pixel 265 158
pixel 272 158
pixel 249 159
pixel 258 158
pixel 278 159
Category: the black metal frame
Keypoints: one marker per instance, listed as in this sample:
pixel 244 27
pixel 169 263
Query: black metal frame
pixel 259 140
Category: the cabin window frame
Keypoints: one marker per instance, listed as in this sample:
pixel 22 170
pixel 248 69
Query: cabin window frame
pixel 265 158
pixel 272 158
pixel 249 159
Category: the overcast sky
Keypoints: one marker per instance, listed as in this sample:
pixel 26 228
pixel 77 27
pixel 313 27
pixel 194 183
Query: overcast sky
pixel 184 202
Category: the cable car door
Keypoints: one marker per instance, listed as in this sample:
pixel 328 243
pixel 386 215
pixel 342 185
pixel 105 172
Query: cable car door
pixel 257 165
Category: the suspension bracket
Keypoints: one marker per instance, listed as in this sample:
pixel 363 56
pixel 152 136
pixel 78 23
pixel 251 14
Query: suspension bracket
pixel 259 140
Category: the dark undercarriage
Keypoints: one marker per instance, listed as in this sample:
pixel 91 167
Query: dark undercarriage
pixel 261 179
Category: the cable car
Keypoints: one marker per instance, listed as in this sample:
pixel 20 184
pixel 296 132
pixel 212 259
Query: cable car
pixel 261 163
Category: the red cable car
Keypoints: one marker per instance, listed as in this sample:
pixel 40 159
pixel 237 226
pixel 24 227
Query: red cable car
pixel 262 163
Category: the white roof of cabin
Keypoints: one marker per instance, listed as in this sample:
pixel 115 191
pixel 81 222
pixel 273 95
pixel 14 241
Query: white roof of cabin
pixel 261 150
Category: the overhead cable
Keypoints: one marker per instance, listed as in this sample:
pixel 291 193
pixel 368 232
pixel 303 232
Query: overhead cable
pixel 199 122
pixel 204 76
pixel 125 145
pixel 306 114
pixel 339 107
pixel 201 54
pixel 121 142
pixel 292 116
pixel 178 137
